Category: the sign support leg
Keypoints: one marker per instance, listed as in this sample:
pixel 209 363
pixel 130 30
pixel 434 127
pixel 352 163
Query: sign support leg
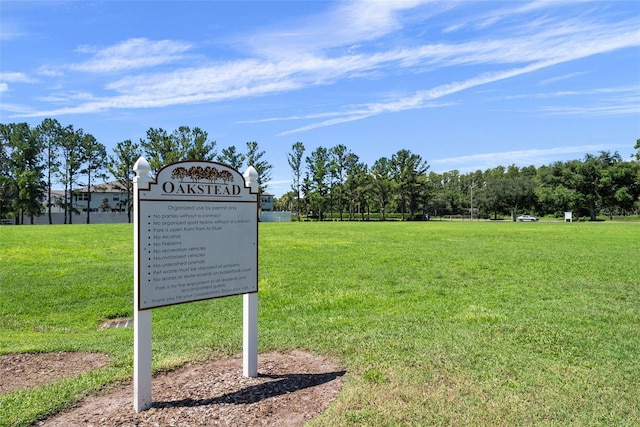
pixel 250 335
pixel 142 360
pixel 141 318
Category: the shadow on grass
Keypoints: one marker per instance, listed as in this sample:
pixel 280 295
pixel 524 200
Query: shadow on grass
pixel 284 384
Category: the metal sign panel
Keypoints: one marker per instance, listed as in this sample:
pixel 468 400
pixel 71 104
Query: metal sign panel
pixel 197 235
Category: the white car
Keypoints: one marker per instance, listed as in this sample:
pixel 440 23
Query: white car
pixel 527 218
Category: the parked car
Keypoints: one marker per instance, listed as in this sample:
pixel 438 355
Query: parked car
pixel 527 218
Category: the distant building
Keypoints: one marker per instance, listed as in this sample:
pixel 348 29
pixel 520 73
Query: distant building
pixel 266 201
pixel 57 200
pixel 107 197
pixel 109 204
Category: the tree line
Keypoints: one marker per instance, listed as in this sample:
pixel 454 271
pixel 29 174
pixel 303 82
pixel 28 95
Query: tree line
pixel 327 183
pixel 332 183
pixel 34 159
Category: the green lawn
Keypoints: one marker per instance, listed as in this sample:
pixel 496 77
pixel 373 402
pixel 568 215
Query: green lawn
pixel 437 323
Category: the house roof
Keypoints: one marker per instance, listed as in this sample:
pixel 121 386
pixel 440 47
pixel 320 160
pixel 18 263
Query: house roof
pixel 106 187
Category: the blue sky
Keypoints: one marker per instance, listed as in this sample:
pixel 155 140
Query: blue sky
pixel 467 85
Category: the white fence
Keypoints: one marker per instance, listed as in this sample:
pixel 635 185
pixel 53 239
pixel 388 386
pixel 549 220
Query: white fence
pixel 95 218
pixel 275 216
pixel 121 217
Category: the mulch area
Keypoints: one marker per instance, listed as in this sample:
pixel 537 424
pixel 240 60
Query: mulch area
pixel 291 389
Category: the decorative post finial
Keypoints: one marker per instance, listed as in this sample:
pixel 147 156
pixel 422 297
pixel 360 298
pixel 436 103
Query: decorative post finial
pixel 142 167
pixel 251 178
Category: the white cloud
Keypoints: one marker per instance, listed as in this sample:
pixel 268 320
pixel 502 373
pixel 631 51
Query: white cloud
pixel 256 77
pixel 131 54
pixel 20 110
pixel 15 77
pixel 618 100
pixel 517 157
pixel 546 49
pixel 48 71
pixel 305 56
pixel 420 98
pixel 627 106
pixel 11 31
pixel 561 78
pixel 349 24
pixel 512 10
pixel 622 90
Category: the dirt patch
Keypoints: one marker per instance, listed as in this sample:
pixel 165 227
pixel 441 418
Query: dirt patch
pixel 118 322
pixel 26 370
pixel 290 390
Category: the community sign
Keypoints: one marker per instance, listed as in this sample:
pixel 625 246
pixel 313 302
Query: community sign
pixel 197 235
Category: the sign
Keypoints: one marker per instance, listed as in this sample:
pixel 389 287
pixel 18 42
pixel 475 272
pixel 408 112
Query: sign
pixel 198 235
pixel 195 237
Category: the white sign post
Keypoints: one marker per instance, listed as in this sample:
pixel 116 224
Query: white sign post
pixel 250 308
pixel 195 238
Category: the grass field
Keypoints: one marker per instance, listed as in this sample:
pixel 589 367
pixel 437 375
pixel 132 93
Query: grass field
pixel 436 323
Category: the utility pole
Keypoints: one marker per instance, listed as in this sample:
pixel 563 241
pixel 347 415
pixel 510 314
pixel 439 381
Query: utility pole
pixel 471 213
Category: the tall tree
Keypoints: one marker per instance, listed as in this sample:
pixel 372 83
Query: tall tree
pixel 255 159
pixel 94 156
pixel 494 192
pixel 453 195
pixel 590 172
pixel 161 149
pixel 26 167
pixel 437 203
pixel 618 183
pixel 316 183
pixel 295 162
pixel 519 184
pixel 50 132
pixel 286 202
pixel 356 185
pixel 121 165
pixel 554 191
pixel 340 161
pixel 382 184
pixel 472 185
pixel 406 168
pixel 231 157
pixel 7 180
pixel 72 152
pixel 194 143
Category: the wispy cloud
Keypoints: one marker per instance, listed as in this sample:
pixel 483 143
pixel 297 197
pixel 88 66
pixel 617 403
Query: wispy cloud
pixel 623 90
pixel 561 78
pixel 623 106
pixel 11 31
pixel 131 54
pixel 420 98
pixel 546 49
pixel 512 10
pixel 408 103
pixel 618 100
pixel 345 26
pixel 517 157
pixel 333 47
pixel 13 77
